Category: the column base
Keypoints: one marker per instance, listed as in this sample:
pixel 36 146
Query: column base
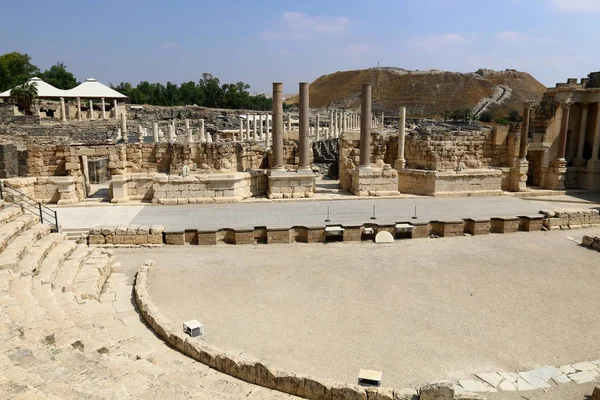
pixel 557 172
pixel 518 176
pixel 400 164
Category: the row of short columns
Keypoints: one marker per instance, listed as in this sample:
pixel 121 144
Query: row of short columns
pixel 103 114
pixel 158 133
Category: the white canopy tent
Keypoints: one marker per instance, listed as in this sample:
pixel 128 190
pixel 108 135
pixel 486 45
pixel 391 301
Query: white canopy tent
pixel 90 89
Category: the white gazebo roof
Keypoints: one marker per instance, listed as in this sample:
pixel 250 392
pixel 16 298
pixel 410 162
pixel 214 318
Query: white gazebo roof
pixel 91 88
pixel 44 89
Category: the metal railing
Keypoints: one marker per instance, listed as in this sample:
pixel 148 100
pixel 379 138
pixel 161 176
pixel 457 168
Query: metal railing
pixel 47 215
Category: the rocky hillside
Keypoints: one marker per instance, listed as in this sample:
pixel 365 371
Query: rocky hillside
pixel 426 93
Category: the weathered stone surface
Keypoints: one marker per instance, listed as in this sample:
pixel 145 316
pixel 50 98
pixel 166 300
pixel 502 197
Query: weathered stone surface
pixel 437 391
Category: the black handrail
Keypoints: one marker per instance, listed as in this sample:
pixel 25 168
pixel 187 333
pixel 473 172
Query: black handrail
pixel 46 214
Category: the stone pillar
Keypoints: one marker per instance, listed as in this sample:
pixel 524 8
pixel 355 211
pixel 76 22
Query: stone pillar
pixel 329 134
pixel 400 160
pixel 103 109
pixel 593 161
pixel 241 133
pixel 171 133
pixel 116 109
pixel 365 126
pixel 155 132
pixel 289 122
pixel 124 123
pixel 318 127
pixel 304 125
pixel 336 131
pixel 91 110
pixel 202 132
pixel 525 131
pixel 161 134
pixel 268 132
pixel 78 109
pixel 579 161
pixel 247 126
pixel 518 174
pixel 277 126
pixel 254 128
pixel 63 110
pixel 383 120
pixel 564 126
pixel 188 134
pixel 187 124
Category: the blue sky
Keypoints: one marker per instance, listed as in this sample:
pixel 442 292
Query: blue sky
pixel 263 41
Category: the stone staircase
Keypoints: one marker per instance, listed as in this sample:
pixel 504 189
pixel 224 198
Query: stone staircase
pixel 69 327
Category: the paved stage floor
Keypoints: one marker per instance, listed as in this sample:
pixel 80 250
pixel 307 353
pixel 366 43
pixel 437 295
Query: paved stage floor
pixel 305 213
pixel 418 310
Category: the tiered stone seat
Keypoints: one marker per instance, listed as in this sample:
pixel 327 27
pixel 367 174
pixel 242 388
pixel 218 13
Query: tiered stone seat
pixel 69 327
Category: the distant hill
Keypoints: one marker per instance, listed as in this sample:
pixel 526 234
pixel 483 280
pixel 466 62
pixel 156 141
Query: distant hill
pixel 426 93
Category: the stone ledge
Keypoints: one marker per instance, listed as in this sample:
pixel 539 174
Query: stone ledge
pixel 256 371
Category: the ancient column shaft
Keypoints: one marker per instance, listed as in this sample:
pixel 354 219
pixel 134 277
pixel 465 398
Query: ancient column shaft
pixel 63 110
pixel 115 109
pixel 124 123
pixel 524 132
pixel 268 131
pixel 247 126
pixel 78 109
pixel 596 143
pixel 317 127
pixel 155 132
pixel 304 126
pixel 582 132
pixel 241 132
pixel 277 126
pixel 564 126
pixel 400 161
pixel 91 110
pixel 365 126
pixel 103 109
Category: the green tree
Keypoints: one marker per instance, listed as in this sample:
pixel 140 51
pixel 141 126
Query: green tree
pixel 514 115
pixel 58 76
pixel 24 95
pixel 486 117
pixel 15 69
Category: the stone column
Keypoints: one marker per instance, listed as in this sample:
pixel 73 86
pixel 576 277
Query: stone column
pixel 171 133
pixel 241 133
pixel 63 110
pixel 564 126
pixel 78 109
pixel 119 134
pixel 268 131
pixel 261 127
pixel 124 123
pixel 140 134
pixel 593 161
pixel 116 109
pixel 304 125
pixel 155 132
pixel 318 127
pixel 400 160
pixel 365 126
pixel 336 132
pixel 579 160
pixel 329 134
pixel 277 126
pixel 202 132
pixel 383 120
pixel 247 126
pixel 254 128
pixel 289 122
pixel 188 133
pixel 187 124
pixel 525 131
pixel 103 109
pixel 91 110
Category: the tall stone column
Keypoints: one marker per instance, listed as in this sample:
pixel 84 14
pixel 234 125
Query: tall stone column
pixel 304 126
pixel 268 131
pixel 564 126
pixel 124 123
pixel 171 133
pixel 344 127
pixel 593 162
pixel 318 127
pixel 289 122
pixel 525 131
pixel 187 124
pixel 116 109
pixel 579 160
pixel 365 126
pixel 188 134
pixel 518 176
pixel 241 133
pixel 203 137
pixel 78 109
pixel 155 132
pixel 103 108
pixel 400 160
pixel 260 127
pixel 277 126
pixel 63 110
pixel 254 130
pixel 336 125
pixel 329 134
pixel 247 126
pixel 91 110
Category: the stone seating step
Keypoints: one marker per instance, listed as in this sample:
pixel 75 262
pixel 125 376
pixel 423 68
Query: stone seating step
pixel 10 230
pixel 9 213
pixel 52 262
pixel 93 274
pixel 13 253
pixel 32 259
pixel 69 269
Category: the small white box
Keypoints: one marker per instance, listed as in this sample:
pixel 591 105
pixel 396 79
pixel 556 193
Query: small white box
pixel 367 377
pixel 193 328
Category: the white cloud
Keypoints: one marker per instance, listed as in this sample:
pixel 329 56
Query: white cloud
pixel 437 41
pixel 298 25
pixel 170 45
pixel 576 6
pixel 512 36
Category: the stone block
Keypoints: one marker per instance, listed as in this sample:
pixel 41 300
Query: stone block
pixel 449 228
pixel 175 238
pixel 352 233
pixel 477 226
pixel 437 391
pixel 315 235
pixel 420 230
pixel 244 236
pixel 118 239
pixel 531 223
pixel 278 236
pixel 155 239
pixel 504 225
pixel 207 238
pixel 96 239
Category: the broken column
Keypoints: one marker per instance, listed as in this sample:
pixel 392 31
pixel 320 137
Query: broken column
pixel 115 109
pixel 155 132
pixel 63 110
pixel 124 124
pixel 188 134
pixel 91 110
pixel 400 160
pixel 304 125
pixel 201 131
pixel 78 109
pixel 171 133
pixel 103 108
pixel 289 122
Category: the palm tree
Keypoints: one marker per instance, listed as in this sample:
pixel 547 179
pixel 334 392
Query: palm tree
pixel 24 95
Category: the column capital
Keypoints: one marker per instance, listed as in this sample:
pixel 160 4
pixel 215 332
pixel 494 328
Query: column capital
pixel 528 103
pixel 566 105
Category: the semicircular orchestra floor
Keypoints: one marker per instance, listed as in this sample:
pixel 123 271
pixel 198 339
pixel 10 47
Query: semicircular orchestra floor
pixel 418 310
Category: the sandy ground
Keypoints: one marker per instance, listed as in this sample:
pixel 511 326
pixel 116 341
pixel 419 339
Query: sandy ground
pixel 418 310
